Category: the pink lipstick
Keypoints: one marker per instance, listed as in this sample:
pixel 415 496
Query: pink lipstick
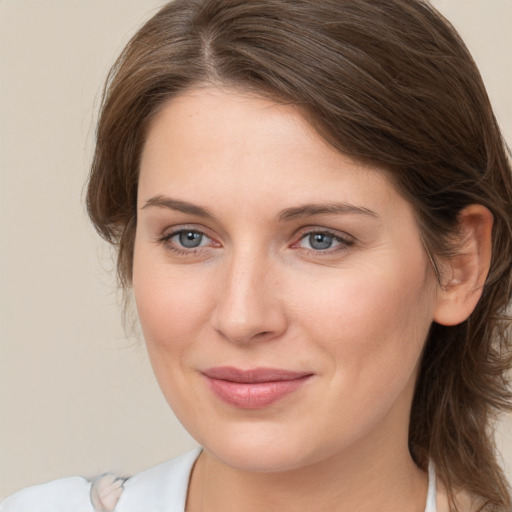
pixel 255 388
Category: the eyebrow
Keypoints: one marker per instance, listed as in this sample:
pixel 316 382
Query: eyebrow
pixel 309 210
pixel 180 206
pixel 296 212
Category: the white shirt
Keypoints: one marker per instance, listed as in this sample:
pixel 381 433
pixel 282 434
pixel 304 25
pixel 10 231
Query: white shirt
pixel 162 488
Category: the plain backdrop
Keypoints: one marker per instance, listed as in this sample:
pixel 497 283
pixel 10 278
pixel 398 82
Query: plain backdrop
pixel 77 395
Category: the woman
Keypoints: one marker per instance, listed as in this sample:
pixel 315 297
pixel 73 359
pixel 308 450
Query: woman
pixel 312 202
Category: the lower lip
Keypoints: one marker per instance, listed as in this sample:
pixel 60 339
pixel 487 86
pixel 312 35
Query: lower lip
pixel 254 395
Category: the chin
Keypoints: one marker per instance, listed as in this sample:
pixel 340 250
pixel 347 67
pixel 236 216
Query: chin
pixel 261 449
pixel 257 459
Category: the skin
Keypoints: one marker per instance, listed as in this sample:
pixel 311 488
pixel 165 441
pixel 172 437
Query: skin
pixel 258 292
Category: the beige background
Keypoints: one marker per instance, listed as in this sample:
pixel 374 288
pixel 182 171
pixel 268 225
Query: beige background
pixel 77 396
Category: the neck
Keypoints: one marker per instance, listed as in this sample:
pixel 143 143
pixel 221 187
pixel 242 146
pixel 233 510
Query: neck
pixel 356 482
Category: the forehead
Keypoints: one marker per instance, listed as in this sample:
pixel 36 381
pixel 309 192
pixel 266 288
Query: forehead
pixel 207 118
pixel 220 142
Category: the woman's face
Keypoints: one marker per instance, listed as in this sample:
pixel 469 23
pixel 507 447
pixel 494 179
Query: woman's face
pixel 283 290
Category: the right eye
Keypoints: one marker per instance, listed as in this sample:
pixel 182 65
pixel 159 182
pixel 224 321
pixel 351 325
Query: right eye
pixel 189 239
pixel 186 240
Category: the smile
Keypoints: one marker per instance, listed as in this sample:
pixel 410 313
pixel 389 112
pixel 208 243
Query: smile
pixel 253 389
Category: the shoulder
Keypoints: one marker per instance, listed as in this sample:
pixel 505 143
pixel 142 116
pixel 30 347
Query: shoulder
pixel 161 488
pixel 63 495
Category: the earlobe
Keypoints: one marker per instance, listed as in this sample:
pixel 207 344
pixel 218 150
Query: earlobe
pixel 467 270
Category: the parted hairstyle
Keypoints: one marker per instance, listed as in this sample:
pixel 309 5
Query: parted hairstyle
pixel 390 83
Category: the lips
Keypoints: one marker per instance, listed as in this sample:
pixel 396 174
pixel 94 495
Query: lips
pixel 255 388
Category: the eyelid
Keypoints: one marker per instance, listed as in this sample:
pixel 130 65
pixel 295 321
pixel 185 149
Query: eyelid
pixel 170 231
pixel 308 230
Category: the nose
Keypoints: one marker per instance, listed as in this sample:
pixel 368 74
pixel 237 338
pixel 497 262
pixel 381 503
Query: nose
pixel 248 305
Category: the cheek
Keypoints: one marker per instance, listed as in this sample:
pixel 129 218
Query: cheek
pixel 370 321
pixel 170 307
pixel 369 330
pixel 170 304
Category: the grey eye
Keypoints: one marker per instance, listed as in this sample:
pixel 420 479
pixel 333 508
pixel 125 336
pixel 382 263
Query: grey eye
pixel 190 239
pixel 320 241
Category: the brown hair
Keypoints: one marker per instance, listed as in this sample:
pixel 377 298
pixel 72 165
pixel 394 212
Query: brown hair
pixel 390 83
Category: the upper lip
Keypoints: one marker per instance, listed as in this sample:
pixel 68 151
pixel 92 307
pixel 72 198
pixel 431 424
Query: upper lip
pixel 253 375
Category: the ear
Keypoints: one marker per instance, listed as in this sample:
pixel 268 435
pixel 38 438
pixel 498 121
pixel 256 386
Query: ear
pixel 464 274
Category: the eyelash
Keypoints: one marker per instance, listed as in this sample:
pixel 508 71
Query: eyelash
pixel 344 242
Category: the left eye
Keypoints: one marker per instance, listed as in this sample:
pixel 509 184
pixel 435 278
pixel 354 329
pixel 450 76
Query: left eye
pixel 319 241
pixel 189 239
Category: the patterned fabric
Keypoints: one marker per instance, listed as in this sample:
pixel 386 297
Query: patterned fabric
pixel 105 492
